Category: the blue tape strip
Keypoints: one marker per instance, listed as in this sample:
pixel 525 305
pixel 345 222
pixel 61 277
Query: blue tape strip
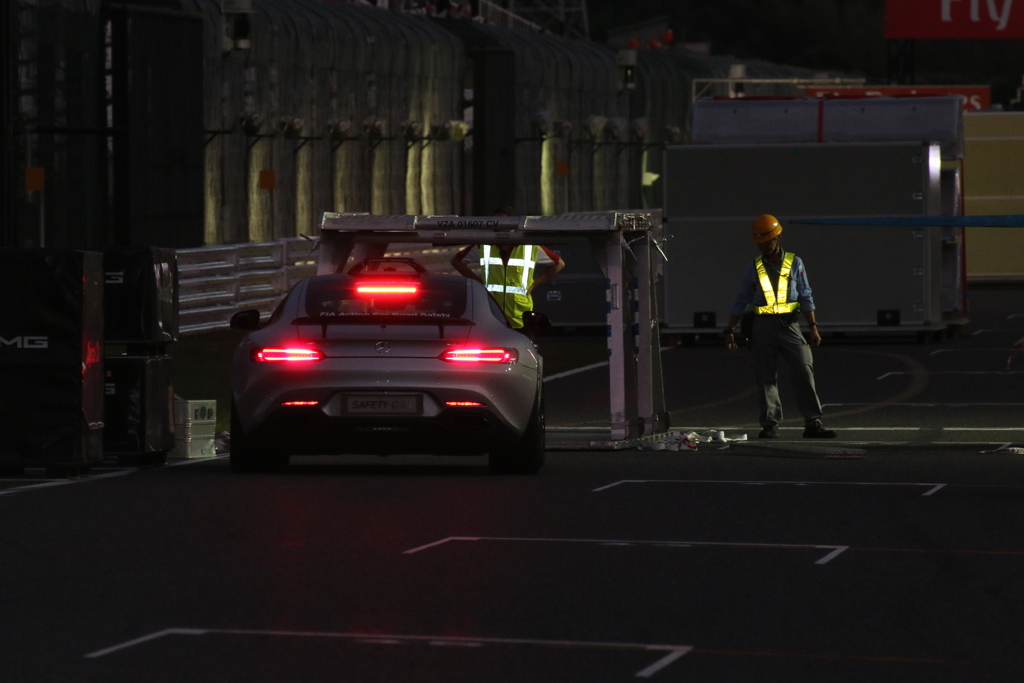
pixel 1007 221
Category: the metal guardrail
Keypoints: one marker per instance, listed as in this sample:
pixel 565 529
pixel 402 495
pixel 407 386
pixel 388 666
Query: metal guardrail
pixel 216 282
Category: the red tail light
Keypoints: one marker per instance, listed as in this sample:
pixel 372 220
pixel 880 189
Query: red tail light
pixel 300 403
pixel 480 356
pixel 398 289
pixel 287 355
pixel 463 404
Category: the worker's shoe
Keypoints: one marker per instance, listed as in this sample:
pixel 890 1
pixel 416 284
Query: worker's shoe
pixel 771 432
pixel 814 430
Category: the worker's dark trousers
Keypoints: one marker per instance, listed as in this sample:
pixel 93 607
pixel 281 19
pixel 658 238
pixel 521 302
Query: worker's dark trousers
pixel 772 339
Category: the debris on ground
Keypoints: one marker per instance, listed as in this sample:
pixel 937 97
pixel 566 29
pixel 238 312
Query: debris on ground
pixel 222 442
pixel 687 441
pixel 1006 448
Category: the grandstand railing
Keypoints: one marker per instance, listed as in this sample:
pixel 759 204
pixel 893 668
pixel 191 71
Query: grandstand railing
pixel 497 15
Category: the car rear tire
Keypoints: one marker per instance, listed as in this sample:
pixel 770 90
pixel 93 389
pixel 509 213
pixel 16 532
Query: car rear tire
pixel 526 456
pixel 246 455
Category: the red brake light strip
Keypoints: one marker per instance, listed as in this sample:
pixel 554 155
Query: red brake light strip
pixel 387 289
pixel 287 355
pixel 479 355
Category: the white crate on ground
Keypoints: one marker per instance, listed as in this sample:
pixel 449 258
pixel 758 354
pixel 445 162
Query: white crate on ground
pixel 195 427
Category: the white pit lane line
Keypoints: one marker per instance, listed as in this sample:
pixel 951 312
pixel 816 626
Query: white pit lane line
pixel 673 652
pixel 834 550
pixel 932 486
pixel 592 366
pixel 954 372
pixel 84 479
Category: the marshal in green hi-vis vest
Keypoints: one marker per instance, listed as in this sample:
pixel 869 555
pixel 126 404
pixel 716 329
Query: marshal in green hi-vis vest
pixel 510 284
pixel 775 303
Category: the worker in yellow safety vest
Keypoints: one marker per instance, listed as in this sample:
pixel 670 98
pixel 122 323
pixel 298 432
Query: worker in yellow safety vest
pixel 773 293
pixel 509 273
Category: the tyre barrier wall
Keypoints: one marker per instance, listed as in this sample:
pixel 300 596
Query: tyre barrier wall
pixel 311 106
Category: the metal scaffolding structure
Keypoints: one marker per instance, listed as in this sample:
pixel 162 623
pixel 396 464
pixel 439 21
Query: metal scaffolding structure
pixel 623 244
pixel 561 17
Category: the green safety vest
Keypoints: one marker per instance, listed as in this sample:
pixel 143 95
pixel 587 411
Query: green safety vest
pixel 510 284
pixel 775 303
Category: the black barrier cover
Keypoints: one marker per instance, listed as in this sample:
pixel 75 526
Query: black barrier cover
pixel 139 405
pixel 577 296
pixel 51 357
pixel 140 296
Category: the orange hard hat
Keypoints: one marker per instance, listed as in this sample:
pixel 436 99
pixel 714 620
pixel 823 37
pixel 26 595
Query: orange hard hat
pixel 766 227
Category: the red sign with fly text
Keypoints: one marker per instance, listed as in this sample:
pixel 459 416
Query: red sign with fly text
pixel 954 19
pixel 976 97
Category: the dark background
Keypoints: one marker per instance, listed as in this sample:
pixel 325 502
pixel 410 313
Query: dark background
pixel 846 35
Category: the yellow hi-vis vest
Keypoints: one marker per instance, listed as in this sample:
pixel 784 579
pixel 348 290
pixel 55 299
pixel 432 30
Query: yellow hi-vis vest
pixel 510 284
pixel 775 303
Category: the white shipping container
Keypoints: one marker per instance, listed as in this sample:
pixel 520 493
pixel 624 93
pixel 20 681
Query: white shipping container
pixel 194 410
pixel 936 119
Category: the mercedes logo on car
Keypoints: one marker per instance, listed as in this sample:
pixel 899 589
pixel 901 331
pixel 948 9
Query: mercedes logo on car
pixel 382 347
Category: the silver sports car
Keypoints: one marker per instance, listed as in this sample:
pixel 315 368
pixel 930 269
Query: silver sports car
pixel 386 359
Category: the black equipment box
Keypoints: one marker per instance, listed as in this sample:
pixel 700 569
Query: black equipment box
pixel 139 399
pixel 140 296
pixel 576 298
pixel 51 357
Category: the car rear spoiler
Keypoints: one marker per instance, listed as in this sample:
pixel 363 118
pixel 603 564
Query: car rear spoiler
pixel 328 321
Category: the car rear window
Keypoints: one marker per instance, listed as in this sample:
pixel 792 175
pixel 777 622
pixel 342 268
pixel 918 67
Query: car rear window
pixel 413 298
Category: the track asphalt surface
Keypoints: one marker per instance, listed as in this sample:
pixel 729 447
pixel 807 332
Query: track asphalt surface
pixel 776 561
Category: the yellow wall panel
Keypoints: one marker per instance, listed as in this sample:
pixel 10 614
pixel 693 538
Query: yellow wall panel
pixel 994 124
pixel 993 179
pixel 993 168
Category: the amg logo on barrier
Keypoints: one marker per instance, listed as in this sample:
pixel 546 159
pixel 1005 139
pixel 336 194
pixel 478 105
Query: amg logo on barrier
pixel 25 342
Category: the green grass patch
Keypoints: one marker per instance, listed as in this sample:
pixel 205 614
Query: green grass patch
pixel 202 370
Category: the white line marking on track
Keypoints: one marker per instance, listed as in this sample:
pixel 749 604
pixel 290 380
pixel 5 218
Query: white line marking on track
pixel 66 482
pixel 954 372
pixel 860 429
pixel 575 371
pixel 663 662
pixel 832 555
pixel 983 429
pixel 933 487
pixel 616 483
pixel 145 639
pixel 923 405
pixel 592 366
pixel 619 542
pixel 443 540
pixel 93 477
pixel 194 461
pixel 674 652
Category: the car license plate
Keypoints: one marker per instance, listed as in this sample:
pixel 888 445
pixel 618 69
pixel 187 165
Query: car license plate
pixel 383 404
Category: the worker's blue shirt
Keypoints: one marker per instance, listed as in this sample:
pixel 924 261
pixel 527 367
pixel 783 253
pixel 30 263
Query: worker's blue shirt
pixel 750 295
